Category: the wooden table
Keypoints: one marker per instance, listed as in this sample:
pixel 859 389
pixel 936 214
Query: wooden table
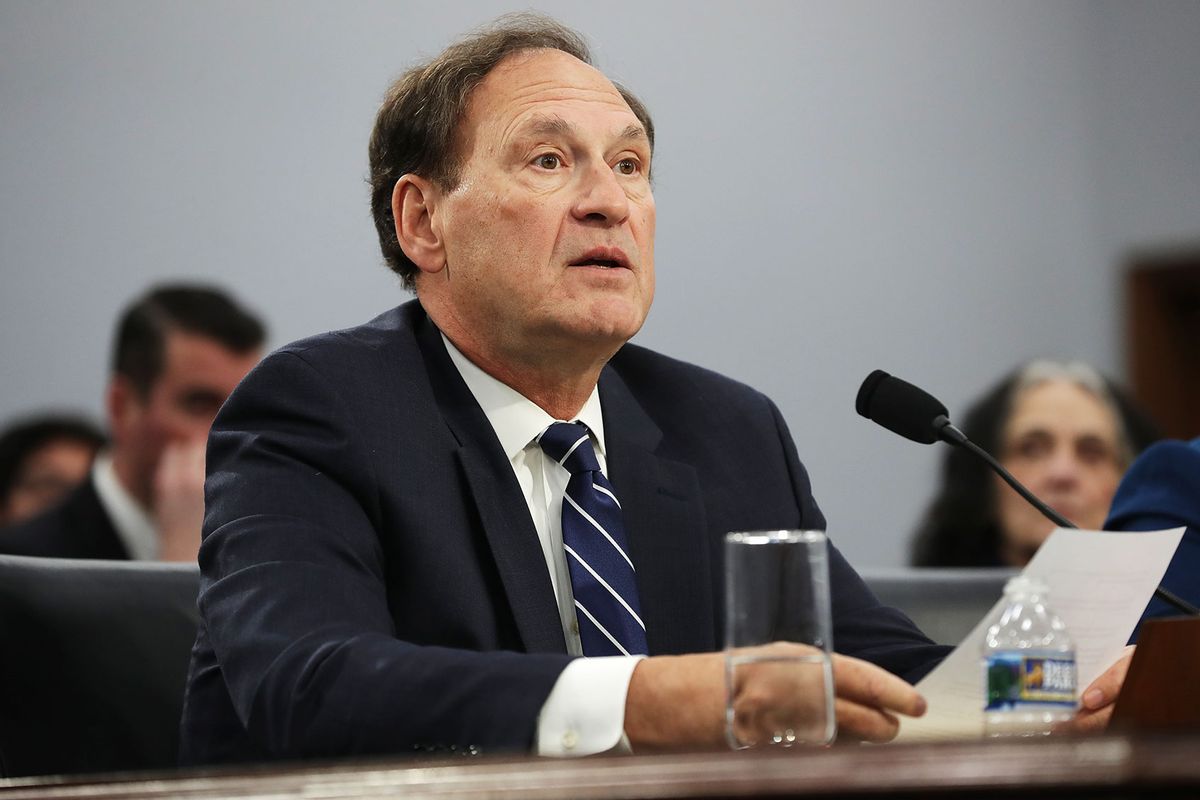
pixel 1060 767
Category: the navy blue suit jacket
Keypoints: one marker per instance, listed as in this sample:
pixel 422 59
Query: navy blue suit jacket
pixel 372 581
pixel 1162 490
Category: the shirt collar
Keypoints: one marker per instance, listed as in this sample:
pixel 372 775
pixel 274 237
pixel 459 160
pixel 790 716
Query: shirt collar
pixel 516 419
pixel 133 525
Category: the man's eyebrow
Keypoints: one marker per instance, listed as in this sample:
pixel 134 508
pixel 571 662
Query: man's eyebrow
pixel 634 131
pixel 553 125
pixel 547 125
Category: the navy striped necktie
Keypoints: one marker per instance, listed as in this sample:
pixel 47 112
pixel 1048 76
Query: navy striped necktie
pixel 602 575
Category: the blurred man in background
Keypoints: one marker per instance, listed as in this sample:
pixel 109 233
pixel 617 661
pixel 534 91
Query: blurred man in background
pixel 179 351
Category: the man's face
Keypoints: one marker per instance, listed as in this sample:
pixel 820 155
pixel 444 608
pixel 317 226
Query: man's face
pixel 548 238
pixel 198 374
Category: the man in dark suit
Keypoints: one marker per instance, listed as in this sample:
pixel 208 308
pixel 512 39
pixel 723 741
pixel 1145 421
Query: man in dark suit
pixel 1162 490
pixel 396 545
pixel 179 350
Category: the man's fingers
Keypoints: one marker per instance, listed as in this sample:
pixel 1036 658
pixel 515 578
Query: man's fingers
pixel 867 685
pixel 868 700
pixel 1096 703
pixel 1086 721
pixel 1103 691
pixel 863 723
pixel 181 467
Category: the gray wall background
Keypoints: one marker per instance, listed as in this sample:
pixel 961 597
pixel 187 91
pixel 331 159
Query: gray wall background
pixel 940 189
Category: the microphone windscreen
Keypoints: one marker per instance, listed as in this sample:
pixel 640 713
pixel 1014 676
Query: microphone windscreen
pixel 900 407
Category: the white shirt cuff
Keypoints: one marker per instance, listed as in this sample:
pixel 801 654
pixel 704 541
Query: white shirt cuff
pixel 585 712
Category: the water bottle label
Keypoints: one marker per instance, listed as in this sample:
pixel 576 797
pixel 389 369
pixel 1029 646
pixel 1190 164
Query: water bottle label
pixel 1018 679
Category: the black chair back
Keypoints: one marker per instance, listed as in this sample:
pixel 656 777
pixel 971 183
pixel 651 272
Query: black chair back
pixel 946 604
pixel 93 660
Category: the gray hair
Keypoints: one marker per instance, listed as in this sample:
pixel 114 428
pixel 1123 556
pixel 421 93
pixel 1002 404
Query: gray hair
pixel 1086 377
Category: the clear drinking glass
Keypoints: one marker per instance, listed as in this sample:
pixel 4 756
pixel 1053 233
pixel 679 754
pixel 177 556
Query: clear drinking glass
pixel 777 590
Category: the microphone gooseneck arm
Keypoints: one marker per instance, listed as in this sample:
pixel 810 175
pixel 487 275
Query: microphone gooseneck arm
pixel 952 435
pixel 915 414
pixel 1172 599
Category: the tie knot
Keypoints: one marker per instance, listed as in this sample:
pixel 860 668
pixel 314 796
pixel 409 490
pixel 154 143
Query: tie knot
pixel 568 443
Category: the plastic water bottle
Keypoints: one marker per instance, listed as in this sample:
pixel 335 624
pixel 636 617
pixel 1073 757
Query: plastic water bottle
pixel 1028 665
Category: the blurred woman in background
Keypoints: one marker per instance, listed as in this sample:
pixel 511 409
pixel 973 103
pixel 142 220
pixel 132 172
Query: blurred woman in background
pixel 1065 432
pixel 41 460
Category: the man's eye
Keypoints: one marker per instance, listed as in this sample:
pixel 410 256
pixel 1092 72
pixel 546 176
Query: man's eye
pixel 200 404
pixel 627 166
pixel 548 161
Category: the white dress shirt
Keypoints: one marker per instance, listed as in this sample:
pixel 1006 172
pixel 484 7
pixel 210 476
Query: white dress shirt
pixel 585 712
pixel 134 527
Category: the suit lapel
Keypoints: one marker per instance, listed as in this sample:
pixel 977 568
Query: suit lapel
pixel 661 501
pixel 663 510
pixel 88 521
pixel 489 481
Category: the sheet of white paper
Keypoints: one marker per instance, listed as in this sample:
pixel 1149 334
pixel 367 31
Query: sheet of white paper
pixel 1100 582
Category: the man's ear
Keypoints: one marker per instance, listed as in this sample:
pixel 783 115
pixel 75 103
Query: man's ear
pixel 123 405
pixel 414 205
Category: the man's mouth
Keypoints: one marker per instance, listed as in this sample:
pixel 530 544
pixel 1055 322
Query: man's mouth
pixel 602 258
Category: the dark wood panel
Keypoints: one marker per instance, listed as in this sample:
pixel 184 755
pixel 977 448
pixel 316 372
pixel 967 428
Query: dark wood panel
pixel 1163 349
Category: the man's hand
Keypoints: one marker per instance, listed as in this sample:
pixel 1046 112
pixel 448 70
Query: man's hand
pixel 179 500
pixel 678 702
pixel 1097 701
pixel 868 699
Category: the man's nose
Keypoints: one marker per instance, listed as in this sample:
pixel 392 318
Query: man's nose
pixel 601 197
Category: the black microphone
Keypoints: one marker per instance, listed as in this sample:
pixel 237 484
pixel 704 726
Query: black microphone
pixel 904 409
pixel 915 414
